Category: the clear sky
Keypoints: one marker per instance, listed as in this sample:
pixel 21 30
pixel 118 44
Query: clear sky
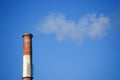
pixel 73 39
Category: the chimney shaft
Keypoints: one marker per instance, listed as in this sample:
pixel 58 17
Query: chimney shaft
pixel 27 56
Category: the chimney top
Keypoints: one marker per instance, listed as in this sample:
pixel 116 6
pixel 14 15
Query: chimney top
pixel 27 34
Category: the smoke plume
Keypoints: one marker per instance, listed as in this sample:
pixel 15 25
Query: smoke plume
pixel 89 26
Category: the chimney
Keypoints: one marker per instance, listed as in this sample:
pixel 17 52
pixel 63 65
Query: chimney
pixel 27 56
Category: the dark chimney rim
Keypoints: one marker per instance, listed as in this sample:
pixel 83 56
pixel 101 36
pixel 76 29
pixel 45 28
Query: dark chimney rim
pixel 27 34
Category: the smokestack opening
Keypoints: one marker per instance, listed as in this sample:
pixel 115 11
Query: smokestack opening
pixel 27 34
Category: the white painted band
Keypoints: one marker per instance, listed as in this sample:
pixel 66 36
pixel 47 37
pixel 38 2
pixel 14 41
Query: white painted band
pixel 26 66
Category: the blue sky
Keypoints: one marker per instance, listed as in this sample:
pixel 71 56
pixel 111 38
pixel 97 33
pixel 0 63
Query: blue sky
pixel 73 39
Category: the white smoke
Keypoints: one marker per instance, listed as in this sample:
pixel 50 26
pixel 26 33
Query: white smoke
pixel 91 26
